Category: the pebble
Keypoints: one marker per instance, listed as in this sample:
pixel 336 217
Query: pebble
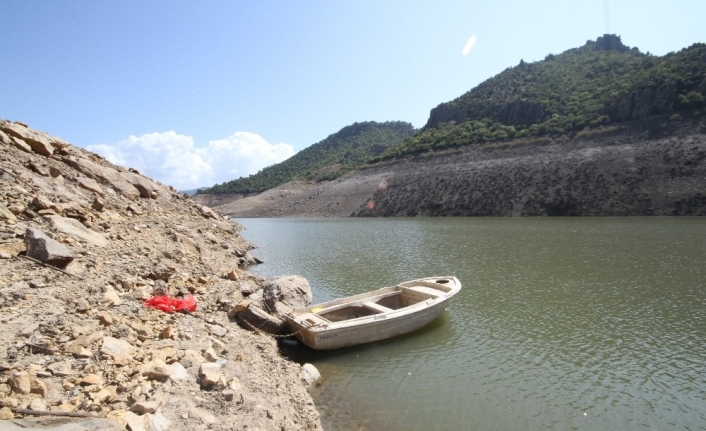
pixel 219 330
pixel 210 355
pixel 38 404
pixel 111 296
pixel 20 383
pixel 228 394
pixel 178 372
pixel 61 369
pixel 143 407
pixel 156 369
pixel 209 374
pixel 104 318
pixel 6 414
pixel 37 386
pixel 82 305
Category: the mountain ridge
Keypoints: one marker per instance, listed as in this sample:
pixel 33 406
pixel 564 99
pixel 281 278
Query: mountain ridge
pixel 601 83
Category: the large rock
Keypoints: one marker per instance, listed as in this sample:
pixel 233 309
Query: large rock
pixel 40 142
pixel 186 244
pixel 90 184
pixel 22 145
pixel 208 212
pixel 259 319
pixel 310 374
pixel 104 173
pixel 291 290
pixel 146 187
pixel 15 142
pixel 6 414
pixel 43 203
pixel 76 229
pixel 38 386
pixel 4 138
pixel 46 250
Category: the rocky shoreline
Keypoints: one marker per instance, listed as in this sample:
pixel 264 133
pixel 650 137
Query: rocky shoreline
pixel 83 244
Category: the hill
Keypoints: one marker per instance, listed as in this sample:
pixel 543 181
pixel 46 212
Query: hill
pixel 328 159
pixel 602 129
pixel 581 91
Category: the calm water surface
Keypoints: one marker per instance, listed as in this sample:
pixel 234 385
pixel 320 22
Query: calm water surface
pixel 571 323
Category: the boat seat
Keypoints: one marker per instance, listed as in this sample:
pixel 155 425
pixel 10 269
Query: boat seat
pixel 311 319
pixel 376 307
pixel 434 293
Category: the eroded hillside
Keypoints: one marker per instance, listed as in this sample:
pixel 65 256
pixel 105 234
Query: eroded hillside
pixel 656 167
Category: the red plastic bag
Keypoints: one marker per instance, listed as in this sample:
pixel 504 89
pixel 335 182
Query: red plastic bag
pixel 170 305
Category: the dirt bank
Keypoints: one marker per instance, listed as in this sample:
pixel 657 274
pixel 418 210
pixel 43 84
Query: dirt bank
pixel 339 198
pixel 653 167
pixel 74 333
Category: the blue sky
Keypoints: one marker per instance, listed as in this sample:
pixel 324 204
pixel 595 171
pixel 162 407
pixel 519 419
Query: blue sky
pixel 194 93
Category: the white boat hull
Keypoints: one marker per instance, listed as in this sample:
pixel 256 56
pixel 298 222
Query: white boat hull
pixel 373 316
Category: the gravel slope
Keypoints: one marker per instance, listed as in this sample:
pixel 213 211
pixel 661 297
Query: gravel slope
pixel 77 338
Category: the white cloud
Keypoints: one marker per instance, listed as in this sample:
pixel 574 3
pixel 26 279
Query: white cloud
pixel 469 45
pixel 175 160
pixel 242 154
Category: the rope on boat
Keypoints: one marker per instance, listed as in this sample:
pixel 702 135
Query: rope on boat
pixel 258 330
pixel 255 329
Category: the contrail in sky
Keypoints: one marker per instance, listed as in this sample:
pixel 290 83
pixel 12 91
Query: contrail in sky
pixel 469 45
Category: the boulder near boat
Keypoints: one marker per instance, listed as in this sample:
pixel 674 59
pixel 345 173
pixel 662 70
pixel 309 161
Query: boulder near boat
pixel 373 316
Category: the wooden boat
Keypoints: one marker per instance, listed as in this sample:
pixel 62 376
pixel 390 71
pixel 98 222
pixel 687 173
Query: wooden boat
pixel 372 316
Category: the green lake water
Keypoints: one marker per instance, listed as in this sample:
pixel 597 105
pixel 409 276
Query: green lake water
pixel 562 323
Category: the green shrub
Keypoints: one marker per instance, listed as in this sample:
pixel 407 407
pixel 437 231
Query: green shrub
pixel 593 133
pixel 691 99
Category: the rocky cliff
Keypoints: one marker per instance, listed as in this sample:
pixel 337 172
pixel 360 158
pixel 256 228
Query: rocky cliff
pixel 622 174
pixel 83 244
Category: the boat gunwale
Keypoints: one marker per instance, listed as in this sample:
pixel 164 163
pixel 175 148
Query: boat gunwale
pixel 371 319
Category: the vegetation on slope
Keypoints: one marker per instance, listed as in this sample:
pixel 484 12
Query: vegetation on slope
pixel 582 88
pixel 336 155
pixel 578 93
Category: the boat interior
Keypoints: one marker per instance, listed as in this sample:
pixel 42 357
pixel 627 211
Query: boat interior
pixel 378 303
